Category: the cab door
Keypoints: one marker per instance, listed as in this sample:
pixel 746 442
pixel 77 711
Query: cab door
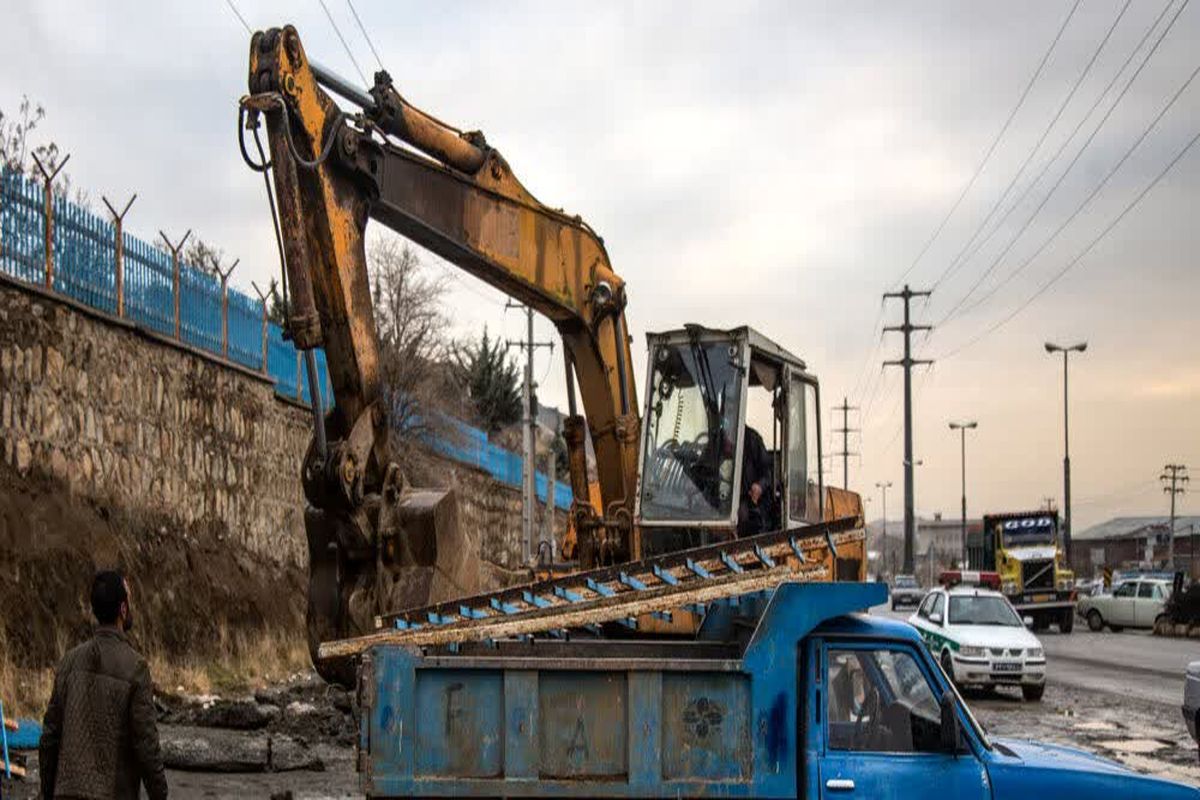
pixel 803 493
pixel 879 720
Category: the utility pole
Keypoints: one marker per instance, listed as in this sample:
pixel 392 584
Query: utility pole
pixel 845 431
pixel 907 363
pixel 528 438
pixel 1173 475
pixel 884 487
pixel 963 427
pixel 1075 348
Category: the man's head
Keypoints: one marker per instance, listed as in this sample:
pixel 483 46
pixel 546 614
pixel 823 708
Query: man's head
pixel 110 600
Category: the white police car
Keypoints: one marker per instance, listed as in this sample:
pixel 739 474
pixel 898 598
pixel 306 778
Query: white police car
pixel 978 637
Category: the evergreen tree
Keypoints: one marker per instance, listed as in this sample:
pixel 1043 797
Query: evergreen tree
pixel 492 382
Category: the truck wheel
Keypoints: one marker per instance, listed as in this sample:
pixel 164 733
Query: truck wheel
pixel 1066 623
pixel 1095 621
pixel 1033 693
pixel 948 665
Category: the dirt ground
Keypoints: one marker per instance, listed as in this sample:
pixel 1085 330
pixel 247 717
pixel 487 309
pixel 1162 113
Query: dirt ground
pixel 198 596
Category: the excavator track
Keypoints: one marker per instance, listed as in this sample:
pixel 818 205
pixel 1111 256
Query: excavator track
pixel 618 594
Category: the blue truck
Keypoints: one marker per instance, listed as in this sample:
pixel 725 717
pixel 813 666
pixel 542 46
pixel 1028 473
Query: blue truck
pixel 792 694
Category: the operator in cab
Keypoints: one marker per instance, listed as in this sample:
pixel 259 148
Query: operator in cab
pixel 754 511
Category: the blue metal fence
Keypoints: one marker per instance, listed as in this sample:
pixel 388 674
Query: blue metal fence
pixel 85 269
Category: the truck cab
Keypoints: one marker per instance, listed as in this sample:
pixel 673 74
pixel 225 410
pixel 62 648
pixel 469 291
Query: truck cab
pixel 725 410
pixel 1025 550
pixel 792 694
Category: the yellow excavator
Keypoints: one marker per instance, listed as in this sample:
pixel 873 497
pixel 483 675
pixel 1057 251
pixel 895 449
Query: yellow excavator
pixel 682 470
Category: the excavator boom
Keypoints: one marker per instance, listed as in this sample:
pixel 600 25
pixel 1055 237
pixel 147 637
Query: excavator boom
pixel 455 195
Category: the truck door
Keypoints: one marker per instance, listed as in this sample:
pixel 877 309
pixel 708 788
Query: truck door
pixel 881 727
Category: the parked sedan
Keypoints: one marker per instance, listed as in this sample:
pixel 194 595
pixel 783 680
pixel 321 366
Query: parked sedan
pixel 1134 603
pixel 1191 700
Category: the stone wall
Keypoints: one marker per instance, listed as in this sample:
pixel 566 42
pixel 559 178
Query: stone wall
pixel 126 417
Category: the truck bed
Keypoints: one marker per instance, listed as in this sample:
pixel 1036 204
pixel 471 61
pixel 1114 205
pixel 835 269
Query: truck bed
pixel 597 718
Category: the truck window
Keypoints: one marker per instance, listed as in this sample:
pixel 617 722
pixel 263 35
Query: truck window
pixel 880 701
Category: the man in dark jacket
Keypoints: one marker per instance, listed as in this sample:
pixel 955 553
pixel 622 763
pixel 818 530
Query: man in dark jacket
pixel 99 737
pixel 754 512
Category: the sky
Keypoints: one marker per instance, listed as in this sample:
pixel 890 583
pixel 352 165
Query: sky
pixel 774 164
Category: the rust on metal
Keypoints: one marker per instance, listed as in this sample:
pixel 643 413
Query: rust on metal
pixel 48 177
pixel 175 250
pixel 690 577
pixel 119 225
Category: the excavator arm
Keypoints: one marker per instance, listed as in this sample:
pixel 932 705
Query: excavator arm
pixel 455 195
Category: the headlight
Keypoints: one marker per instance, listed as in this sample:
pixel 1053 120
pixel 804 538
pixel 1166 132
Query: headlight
pixel 1034 652
pixel 967 651
pixel 1008 587
pixel 1065 584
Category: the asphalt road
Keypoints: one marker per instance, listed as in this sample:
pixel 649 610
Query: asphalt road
pixel 1133 663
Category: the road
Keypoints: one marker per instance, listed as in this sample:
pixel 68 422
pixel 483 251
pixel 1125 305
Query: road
pixel 1117 694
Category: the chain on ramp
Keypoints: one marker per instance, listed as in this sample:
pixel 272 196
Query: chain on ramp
pixel 619 593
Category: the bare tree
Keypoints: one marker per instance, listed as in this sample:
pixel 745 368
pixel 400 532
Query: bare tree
pixel 208 257
pixel 17 149
pixel 413 336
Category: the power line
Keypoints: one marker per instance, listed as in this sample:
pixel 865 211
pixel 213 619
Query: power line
pixel 992 147
pixel 366 35
pixel 1091 137
pixel 238 14
pixel 342 39
pixel 1061 147
pixel 958 261
pixel 1079 257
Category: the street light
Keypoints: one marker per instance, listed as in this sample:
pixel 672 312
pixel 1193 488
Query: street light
pixel 964 427
pixel 1066 351
pixel 884 487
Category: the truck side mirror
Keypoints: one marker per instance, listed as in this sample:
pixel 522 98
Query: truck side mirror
pixel 949 729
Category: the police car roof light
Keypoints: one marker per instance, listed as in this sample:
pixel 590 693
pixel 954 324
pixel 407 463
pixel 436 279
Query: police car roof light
pixel 956 577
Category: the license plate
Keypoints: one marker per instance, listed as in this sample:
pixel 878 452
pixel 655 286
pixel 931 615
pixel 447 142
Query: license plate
pixel 1043 598
pixel 1006 667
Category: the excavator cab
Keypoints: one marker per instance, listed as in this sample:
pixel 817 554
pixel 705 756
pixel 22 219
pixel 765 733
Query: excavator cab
pixel 726 409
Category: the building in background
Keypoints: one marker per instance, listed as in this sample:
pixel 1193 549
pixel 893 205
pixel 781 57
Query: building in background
pixel 1136 543
pixel 938 545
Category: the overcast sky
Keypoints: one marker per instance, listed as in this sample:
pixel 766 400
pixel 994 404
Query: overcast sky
pixel 780 165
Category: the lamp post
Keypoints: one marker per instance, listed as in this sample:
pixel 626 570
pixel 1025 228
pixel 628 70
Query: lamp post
pixel 1066 351
pixel 884 487
pixel 963 427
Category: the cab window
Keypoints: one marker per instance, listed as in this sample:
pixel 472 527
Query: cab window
pixel 1126 590
pixel 880 701
pixel 803 490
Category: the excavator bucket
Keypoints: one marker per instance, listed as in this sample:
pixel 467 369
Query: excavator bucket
pixel 406 549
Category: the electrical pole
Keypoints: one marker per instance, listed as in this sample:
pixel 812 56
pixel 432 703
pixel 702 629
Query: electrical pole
pixel 907 363
pixel 1173 475
pixel 884 487
pixel 1075 348
pixel 528 437
pixel 845 431
pixel 963 427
